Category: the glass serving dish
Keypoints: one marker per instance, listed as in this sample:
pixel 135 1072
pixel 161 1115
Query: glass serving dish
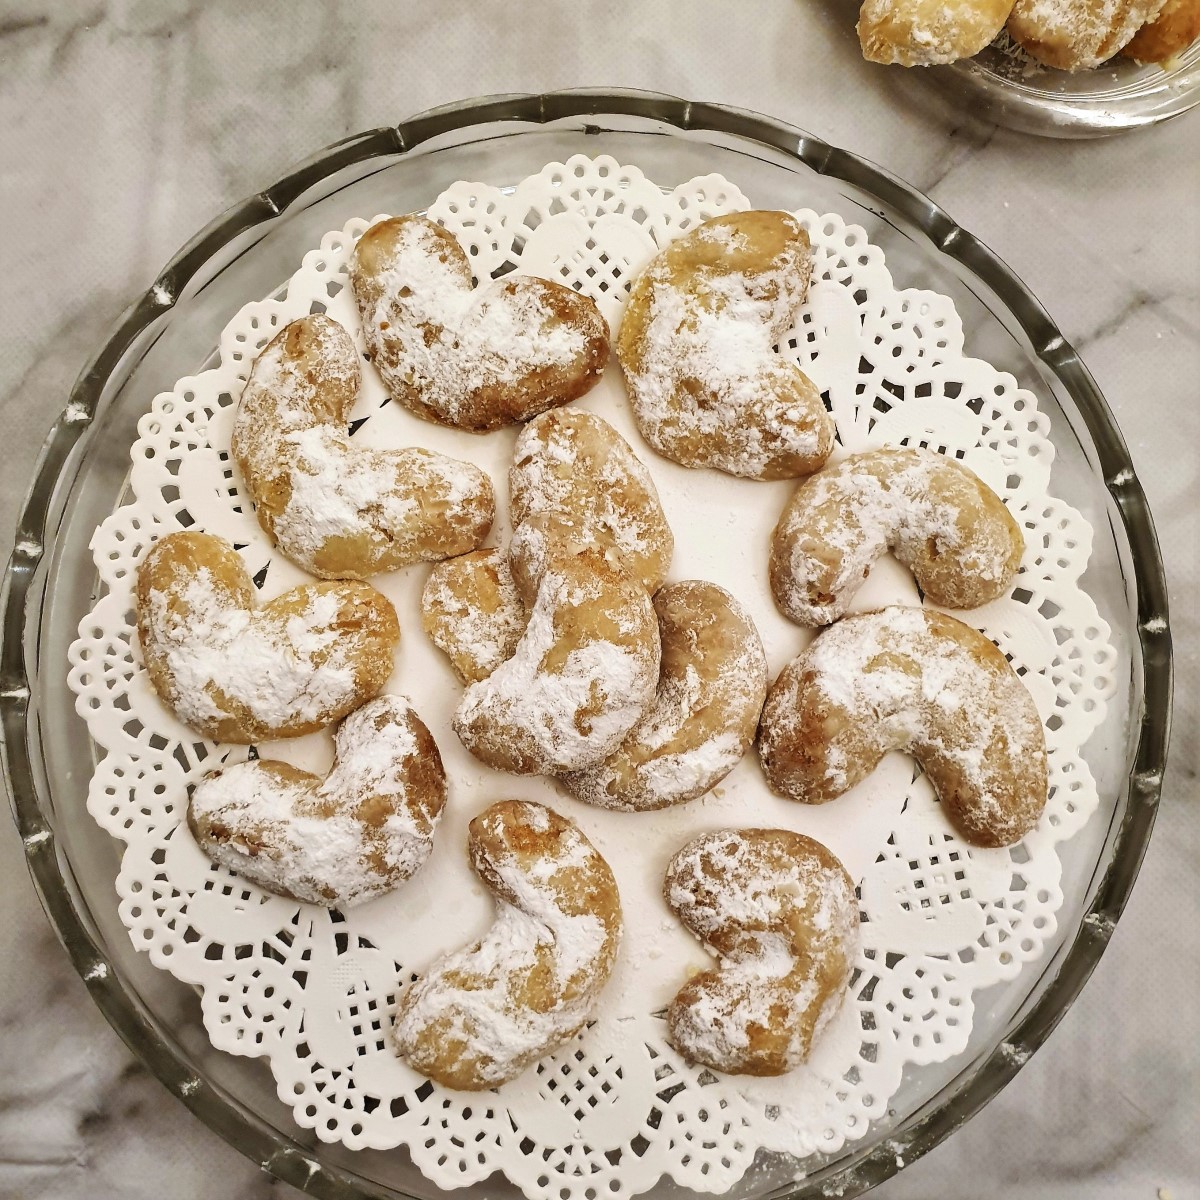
pixel 1009 88
pixel 244 255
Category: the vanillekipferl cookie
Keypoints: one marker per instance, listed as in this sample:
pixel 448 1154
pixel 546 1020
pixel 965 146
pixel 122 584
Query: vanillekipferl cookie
pixel 576 482
pixel 780 912
pixel 917 680
pixel 697 342
pixel 582 675
pixel 357 833
pixel 938 517
pixel 923 33
pixel 483 1014
pixel 711 687
pixel 473 357
pixel 334 507
pixel 236 671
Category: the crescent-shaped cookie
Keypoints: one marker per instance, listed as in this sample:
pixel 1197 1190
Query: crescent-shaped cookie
pixel 337 509
pixel 922 33
pixel 910 679
pixel 939 518
pixel 710 692
pixel 476 358
pixel 580 678
pixel 576 482
pixel 481 1015
pixel 237 672
pixel 697 348
pixel 780 912
pixel 338 841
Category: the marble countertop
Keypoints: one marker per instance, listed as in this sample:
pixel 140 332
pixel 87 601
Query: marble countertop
pixel 125 126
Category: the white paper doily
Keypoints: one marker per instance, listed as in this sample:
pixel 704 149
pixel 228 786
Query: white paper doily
pixel 313 991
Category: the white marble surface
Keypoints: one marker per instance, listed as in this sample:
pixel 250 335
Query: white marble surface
pixel 125 126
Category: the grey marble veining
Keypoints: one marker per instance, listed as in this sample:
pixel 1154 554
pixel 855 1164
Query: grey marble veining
pixel 126 126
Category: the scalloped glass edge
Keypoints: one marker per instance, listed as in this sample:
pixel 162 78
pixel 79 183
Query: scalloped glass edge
pixel 20 603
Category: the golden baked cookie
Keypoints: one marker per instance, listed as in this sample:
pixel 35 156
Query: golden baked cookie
pixel 697 347
pixel 1074 35
pixel 576 482
pixel 480 1016
pixel 338 841
pixel 1175 28
pixel 473 613
pixel 235 672
pixel 922 33
pixel 711 688
pixel 580 678
pixel 939 519
pixel 780 912
pixel 909 679
pixel 335 508
pixel 476 358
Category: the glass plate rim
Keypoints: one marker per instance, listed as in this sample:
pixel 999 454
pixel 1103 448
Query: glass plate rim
pixel 926 1127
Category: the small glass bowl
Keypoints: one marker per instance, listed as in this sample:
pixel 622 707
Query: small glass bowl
pixel 242 256
pixel 1007 87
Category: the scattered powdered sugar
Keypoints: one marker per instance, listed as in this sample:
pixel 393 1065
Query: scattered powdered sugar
pixel 340 841
pixel 433 329
pixel 281 671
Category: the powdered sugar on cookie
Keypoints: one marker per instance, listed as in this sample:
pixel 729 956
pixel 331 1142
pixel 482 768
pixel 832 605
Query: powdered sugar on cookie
pixel 483 1013
pixel 576 482
pixel 1075 35
pixel 237 672
pixel 473 613
pixel 697 347
pixel 781 914
pixel 581 676
pixel 473 357
pixel 928 32
pixel 910 679
pixel 711 687
pixel 335 508
pixel 941 520
pixel 297 668
pixel 340 841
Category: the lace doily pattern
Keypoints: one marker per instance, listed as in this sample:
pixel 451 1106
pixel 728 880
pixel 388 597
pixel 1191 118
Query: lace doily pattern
pixel 312 991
